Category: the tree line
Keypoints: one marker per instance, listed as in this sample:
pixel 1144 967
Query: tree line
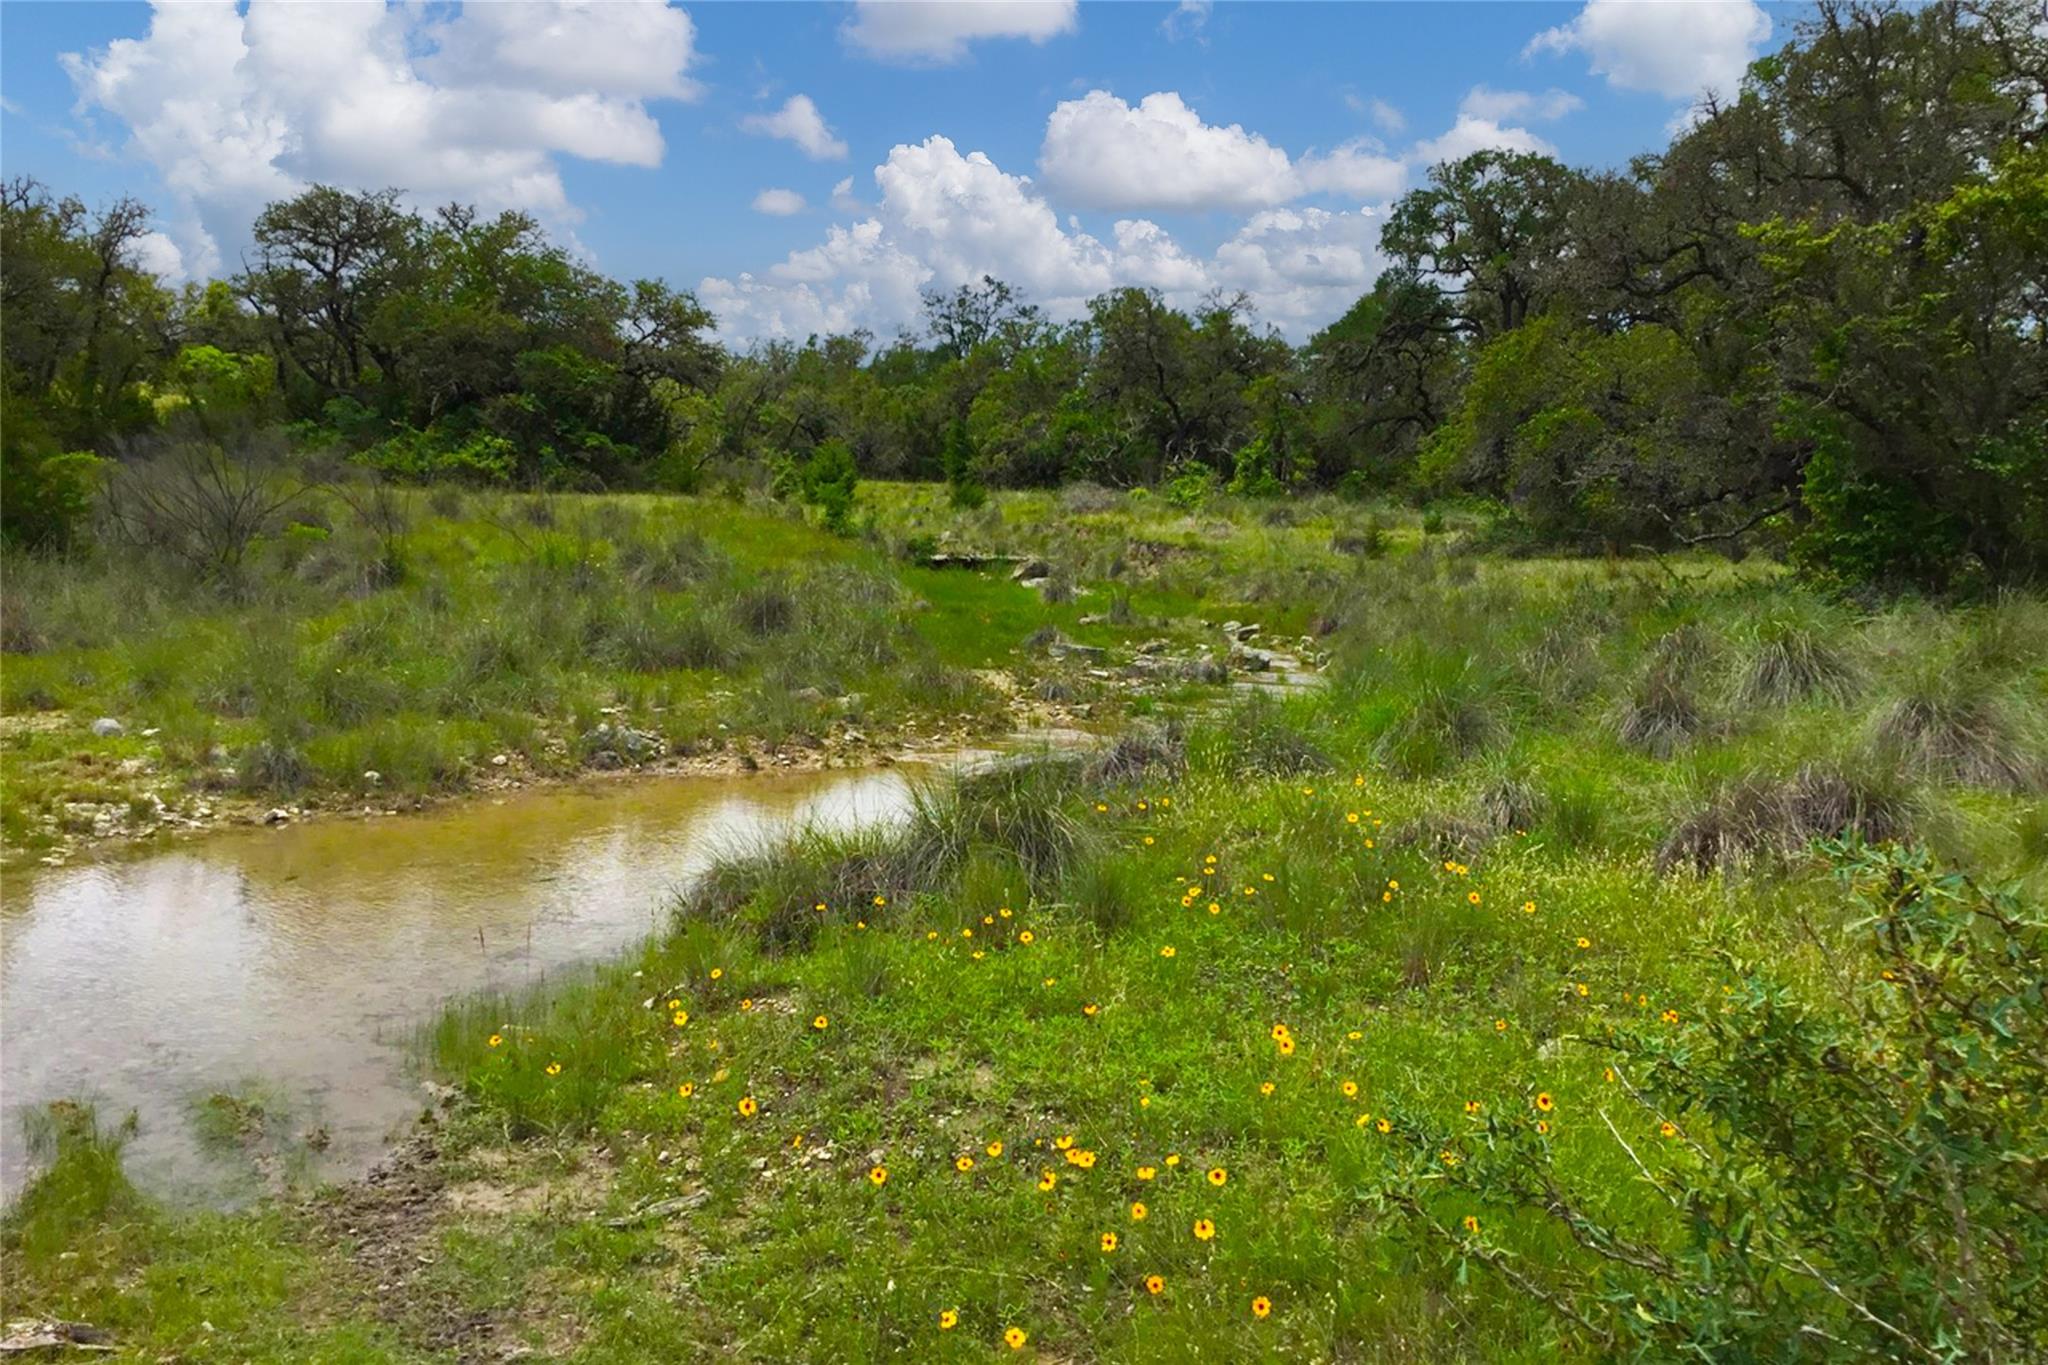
pixel 1817 320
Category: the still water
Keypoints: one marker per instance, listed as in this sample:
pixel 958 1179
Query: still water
pixel 302 960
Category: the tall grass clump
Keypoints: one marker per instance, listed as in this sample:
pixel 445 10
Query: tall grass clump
pixel 1795 654
pixel 80 1187
pixel 1450 709
pixel 1261 737
pixel 1004 833
pixel 1960 725
pixel 1662 714
pixel 1760 817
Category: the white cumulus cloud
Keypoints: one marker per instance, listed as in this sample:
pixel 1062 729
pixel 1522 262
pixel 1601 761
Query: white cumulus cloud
pixel 798 121
pixel 939 31
pixel 159 255
pixel 1474 134
pixel 1103 153
pixel 1358 170
pixel 235 109
pixel 778 203
pixel 1158 155
pixel 1676 48
pixel 945 218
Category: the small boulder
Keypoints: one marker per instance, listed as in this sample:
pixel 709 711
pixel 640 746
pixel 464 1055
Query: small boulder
pixel 106 727
pixel 1030 568
pixel 277 815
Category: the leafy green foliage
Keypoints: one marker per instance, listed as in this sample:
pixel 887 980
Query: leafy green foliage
pixel 1861 1174
pixel 48 498
pixel 1809 326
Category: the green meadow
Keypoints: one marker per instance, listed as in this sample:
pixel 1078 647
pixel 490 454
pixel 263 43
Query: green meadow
pixel 1607 959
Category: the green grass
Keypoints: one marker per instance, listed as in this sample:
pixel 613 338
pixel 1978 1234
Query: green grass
pixel 1440 873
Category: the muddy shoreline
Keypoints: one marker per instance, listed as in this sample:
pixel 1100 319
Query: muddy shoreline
pixel 103 830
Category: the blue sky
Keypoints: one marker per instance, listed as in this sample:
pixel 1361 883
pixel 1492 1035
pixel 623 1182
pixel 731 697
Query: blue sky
pixel 811 167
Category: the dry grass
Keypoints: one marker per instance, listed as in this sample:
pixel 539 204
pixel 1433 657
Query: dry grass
pixel 1765 818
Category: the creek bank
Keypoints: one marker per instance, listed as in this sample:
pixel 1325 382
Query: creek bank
pixel 140 801
pixel 143 803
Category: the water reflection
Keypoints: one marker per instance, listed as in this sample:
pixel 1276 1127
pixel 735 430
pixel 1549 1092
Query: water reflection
pixel 302 958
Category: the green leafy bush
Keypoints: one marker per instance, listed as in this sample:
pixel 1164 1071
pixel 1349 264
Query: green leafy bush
pixel 1853 1177
pixel 46 497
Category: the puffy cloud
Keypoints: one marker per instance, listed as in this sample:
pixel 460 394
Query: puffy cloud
pixel 1302 267
pixel 637 49
pixel 1473 134
pixel 1676 48
pixel 963 212
pixel 939 31
pixel 798 121
pixel 1103 153
pixel 1146 255
pixel 159 255
pixel 234 110
pixel 778 203
pixel 1357 169
pixel 1483 102
pixel 845 200
pixel 946 218
pixel 1158 155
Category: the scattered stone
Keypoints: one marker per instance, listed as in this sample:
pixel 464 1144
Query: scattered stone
pixel 1031 569
pixel 371 777
pixel 662 1208
pixel 39 1335
pixel 623 743
pixel 106 727
pixel 277 815
pixel 811 695
pixel 1251 660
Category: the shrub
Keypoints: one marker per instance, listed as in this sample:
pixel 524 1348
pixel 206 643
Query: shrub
pixel 1858 1177
pixel 1191 485
pixel 828 480
pixel 48 497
